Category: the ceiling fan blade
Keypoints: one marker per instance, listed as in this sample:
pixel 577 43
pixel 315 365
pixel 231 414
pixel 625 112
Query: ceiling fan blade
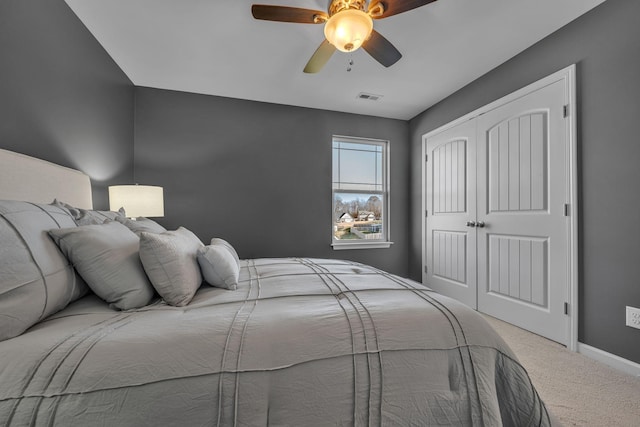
pixel 381 49
pixel 393 7
pixel 288 14
pixel 320 57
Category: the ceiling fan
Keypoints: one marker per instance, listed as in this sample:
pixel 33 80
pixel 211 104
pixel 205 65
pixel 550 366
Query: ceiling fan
pixel 348 26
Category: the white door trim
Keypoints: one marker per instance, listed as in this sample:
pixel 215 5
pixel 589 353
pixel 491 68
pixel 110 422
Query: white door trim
pixel 567 74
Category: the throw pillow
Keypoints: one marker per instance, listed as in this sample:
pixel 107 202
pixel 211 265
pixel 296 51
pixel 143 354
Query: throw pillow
pixel 141 224
pixel 227 246
pixel 170 260
pixel 106 256
pixel 219 267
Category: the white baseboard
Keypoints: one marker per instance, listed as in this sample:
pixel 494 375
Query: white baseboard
pixel 609 359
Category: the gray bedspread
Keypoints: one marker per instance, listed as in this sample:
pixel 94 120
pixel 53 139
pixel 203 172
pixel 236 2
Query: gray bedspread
pixel 301 342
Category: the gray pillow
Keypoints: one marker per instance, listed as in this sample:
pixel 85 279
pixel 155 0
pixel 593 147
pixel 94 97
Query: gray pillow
pixel 141 224
pixel 36 280
pixel 106 256
pixel 219 267
pixel 227 246
pixel 170 260
pixel 89 216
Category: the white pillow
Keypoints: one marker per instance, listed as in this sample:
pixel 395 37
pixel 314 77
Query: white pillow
pixel 170 261
pixel 106 256
pixel 227 246
pixel 218 266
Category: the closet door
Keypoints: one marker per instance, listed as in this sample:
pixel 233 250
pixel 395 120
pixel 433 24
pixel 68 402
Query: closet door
pixel 522 229
pixel 451 213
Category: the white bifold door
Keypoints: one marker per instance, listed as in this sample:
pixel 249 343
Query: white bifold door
pixel 497 200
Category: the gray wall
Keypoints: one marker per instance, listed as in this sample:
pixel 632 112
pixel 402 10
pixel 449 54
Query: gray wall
pixel 258 174
pixel 62 98
pixel 605 45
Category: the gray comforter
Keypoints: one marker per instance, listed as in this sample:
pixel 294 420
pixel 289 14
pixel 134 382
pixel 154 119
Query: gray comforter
pixel 302 342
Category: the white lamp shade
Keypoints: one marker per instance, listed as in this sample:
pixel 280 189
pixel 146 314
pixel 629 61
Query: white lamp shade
pixel 137 200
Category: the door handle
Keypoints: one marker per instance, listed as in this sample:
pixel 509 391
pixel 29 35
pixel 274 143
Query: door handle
pixel 479 224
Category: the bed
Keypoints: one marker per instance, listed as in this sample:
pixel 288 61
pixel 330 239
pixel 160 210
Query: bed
pixel 299 342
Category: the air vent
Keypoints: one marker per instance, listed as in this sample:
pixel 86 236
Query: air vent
pixel 369 96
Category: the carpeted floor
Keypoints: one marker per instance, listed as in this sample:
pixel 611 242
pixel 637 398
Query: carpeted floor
pixel 579 391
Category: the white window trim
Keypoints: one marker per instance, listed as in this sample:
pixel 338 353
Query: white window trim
pixel 361 244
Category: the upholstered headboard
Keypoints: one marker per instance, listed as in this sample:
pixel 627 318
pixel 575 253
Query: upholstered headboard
pixel 34 180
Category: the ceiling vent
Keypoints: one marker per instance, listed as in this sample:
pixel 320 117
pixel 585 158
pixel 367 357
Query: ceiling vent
pixel 369 96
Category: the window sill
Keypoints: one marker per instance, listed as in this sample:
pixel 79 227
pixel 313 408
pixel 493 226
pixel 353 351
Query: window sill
pixel 361 245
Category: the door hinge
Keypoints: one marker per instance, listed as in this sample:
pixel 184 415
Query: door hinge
pixel 426 269
pixel 566 209
pixel 426 157
pixel 426 214
pixel 566 308
pixel 565 111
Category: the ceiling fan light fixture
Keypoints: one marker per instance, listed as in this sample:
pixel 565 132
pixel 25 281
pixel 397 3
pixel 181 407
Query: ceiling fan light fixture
pixel 348 29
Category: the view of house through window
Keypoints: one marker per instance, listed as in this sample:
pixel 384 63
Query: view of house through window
pixel 359 190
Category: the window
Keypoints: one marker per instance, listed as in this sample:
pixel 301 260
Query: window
pixel 360 193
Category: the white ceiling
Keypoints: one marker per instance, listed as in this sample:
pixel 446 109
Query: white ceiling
pixel 217 48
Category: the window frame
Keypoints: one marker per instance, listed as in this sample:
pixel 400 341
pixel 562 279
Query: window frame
pixel 385 242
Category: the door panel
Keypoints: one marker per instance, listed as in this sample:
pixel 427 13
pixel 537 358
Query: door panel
pixel 522 249
pixel 517 268
pixel 518 164
pixel 450 256
pixel 451 203
pixel 449 176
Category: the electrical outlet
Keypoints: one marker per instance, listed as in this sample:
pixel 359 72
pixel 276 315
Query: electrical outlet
pixel 633 317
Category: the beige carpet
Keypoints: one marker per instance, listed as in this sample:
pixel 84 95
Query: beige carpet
pixel 579 391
